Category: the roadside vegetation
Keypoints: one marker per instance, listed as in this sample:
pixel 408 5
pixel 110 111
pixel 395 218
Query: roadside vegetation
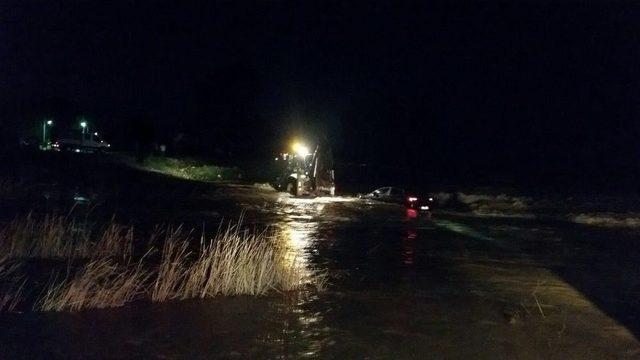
pixel 191 169
pixel 84 267
pixel 609 219
pixel 597 210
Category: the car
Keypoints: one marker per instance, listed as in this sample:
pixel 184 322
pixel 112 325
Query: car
pixel 419 201
pixel 79 142
pixel 416 200
pixel 388 194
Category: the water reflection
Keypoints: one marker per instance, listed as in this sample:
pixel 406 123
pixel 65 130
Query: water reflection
pixel 299 225
pixel 408 247
pixel 302 332
pixel 298 235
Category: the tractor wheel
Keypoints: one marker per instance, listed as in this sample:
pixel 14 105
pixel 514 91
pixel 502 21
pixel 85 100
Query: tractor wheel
pixel 292 187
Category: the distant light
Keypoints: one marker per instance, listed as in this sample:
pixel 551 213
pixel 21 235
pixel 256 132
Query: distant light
pixel 300 149
pixel 430 199
pixel 49 122
pixel 83 124
pixel 425 207
pixel 412 198
pixel 77 150
pixel 95 134
pixel 277 159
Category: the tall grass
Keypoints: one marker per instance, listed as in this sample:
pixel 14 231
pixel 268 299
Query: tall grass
pixel 101 283
pixel 7 267
pixel 237 261
pixel 11 295
pixel 58 236
pixel 49 237
pixel 11 287
pixel 103 273
pixel 173 269
pixel 116 240
pixel 233 262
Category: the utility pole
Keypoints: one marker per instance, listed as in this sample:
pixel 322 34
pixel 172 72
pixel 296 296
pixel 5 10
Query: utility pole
pixel 45 123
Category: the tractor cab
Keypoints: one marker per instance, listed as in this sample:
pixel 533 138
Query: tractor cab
pixel 305 173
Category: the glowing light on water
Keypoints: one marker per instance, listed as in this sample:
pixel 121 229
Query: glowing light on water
pixel 318 200
pixel 300 229
pixel 298 240
pixel 462 229
pixel 408 247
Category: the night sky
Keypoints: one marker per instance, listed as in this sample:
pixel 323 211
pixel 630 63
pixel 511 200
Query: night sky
pixel 520 90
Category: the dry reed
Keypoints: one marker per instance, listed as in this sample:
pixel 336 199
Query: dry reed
pixel 101 283
pixel 173 269
pixel 11 288
pixel 233 262
pixel 57 236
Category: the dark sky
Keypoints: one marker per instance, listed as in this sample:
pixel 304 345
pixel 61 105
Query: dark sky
pixel 522 88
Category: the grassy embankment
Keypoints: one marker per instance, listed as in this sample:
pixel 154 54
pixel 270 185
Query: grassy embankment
pixel 191 169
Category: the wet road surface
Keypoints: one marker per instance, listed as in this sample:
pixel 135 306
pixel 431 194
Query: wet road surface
pixel 451 287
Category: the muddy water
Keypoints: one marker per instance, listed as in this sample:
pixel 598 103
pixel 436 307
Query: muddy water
pixel 400 287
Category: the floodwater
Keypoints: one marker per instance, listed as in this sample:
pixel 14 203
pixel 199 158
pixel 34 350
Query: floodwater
pixel 399 287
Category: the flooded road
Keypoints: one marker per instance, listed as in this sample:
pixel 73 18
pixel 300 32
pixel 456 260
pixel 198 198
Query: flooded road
pixel 398 287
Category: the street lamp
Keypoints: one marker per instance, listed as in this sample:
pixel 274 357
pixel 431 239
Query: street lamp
pixel 83 125
pixel 45 123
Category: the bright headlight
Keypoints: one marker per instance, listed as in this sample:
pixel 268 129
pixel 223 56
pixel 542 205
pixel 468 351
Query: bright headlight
pixel 300 149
